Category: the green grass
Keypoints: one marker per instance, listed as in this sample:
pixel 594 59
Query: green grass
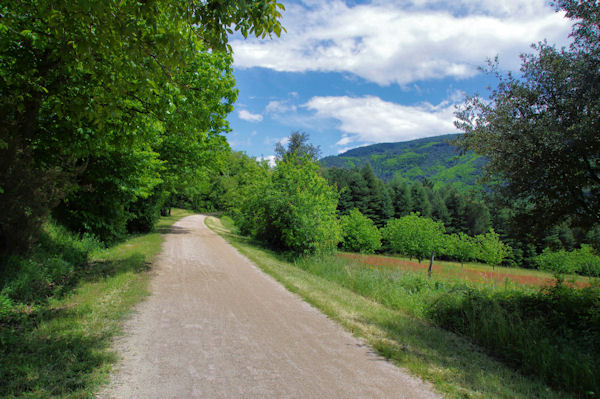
pixel 59 346
pixel 399 314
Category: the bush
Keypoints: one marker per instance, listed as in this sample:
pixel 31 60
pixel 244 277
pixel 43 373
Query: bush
pixel 359 233
pixel 582 261
pixel 145 212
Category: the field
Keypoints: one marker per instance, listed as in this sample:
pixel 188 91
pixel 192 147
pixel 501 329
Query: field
pixel 472 272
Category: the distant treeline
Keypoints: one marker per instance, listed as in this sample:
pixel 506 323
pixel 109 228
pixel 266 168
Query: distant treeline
pixel 242 178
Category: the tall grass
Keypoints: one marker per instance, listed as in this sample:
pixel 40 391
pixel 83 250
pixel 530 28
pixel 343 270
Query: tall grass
pixel 551 333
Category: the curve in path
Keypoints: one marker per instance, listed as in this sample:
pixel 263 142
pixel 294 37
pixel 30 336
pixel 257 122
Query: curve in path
pixel 215 326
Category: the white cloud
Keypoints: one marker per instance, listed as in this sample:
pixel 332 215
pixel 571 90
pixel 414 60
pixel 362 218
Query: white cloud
pixel 268 158
pixel 248 116
pixel 281 140
pixel 370 119
pixel 404 41
pixel 279 107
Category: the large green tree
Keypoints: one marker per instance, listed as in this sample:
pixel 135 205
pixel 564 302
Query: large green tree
pixel 539 129
pixel 292 208
pixel 87 81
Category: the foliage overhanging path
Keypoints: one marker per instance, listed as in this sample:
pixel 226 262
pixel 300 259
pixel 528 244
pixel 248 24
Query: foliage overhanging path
pixel 216 326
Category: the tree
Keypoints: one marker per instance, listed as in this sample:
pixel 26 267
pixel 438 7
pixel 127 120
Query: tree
pixel 83 80
pixel 377 202
pixel 438 207
pixel 539 131
pixel 401 197
pixel 293 209
pixel 359 233
pixel 414 236
pixel 460 247
pixel 419 199
pixel 298 146
pixel 490 249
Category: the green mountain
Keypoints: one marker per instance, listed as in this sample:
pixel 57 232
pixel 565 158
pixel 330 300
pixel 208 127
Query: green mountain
pixel 433 158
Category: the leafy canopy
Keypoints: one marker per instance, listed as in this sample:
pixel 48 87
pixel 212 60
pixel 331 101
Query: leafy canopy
pixel 414 235
pixel 540 130
pixel 84 82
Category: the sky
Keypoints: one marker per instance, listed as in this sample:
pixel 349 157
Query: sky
pixel 353 73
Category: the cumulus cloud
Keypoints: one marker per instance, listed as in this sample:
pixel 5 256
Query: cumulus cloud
pixel 249 117
pixel 370 119
pixel 403 41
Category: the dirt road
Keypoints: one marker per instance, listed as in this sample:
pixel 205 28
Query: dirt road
pixel 215 326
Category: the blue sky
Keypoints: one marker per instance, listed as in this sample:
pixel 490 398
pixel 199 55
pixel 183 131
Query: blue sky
pixel 353 73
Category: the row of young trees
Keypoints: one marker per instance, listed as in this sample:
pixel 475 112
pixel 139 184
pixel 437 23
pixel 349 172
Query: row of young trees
pixel 419 237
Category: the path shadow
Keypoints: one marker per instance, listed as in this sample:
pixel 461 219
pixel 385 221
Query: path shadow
pixel 173 230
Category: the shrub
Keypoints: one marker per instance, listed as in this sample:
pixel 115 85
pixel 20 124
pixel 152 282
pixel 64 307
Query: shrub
pixel 50 268
pixel 145 212
pixel 582 261
pixel 359 233
pixel 588 263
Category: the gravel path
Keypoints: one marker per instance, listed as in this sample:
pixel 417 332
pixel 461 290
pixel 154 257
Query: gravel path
pixel 215 326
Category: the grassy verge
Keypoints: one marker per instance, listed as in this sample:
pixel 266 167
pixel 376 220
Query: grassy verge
pixel 56 342
pixel 395 324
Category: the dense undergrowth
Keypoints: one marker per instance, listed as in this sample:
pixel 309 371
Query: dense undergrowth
pixel 50 268
pixel 550 333
pixel 61 304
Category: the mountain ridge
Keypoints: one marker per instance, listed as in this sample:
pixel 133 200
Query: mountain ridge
pixel 431 157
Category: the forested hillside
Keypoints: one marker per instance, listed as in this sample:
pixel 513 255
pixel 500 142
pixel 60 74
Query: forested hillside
pixel 432 158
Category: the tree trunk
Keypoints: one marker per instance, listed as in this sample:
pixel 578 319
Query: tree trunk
pixel 430 264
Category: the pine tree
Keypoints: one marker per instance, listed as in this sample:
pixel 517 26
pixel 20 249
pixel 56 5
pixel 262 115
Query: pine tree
pixel 420 201
pixel 400 197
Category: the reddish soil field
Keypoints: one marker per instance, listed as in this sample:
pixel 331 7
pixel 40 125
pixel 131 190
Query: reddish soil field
pixel 464 273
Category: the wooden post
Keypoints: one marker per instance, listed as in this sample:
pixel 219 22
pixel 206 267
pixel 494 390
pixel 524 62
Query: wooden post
pixel 430 264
